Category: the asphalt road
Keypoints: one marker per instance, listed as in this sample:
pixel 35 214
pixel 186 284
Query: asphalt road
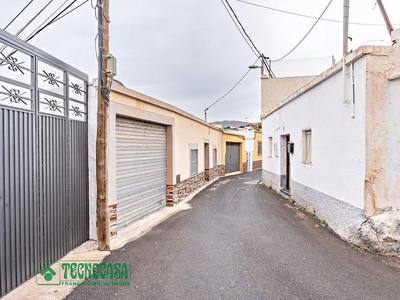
pixel 243 241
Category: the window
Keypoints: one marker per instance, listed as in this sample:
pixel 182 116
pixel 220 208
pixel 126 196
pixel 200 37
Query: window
pixel 214 157
pixel 307 146
pixel 270 145
pixel 259 150
pixel 193 162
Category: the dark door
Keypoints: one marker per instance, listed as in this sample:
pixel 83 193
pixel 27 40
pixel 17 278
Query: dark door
pixel 232 158
pixel 287 163
pixel 206 156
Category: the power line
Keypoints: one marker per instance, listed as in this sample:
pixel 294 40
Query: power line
pixel 55 19
pixel 241 33
pixel 253 112
pixel 17 15
pixel 49 23
pixel 271 74
pixel 306 34
pixel 307 16
pixel 70 11
pixel 231 88
pixel 47 19
pixel 27 24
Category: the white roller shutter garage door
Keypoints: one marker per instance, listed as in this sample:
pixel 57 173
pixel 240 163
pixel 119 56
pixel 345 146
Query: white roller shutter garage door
pixel 141 169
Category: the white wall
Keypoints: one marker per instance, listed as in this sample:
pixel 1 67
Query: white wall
pixel 338 139
pixel 92 136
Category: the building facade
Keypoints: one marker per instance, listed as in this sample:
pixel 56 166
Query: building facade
pixel 242 148
pixel 157 155
pixel 331 144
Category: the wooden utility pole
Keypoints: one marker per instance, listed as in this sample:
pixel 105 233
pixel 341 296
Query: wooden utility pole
pixel 103 220
pixel 389 26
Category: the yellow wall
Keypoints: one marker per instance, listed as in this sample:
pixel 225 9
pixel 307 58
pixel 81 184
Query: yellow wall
pixel 275 90
pixel 184 131
pixel 237 138
pixel 233 138
pixel 257 138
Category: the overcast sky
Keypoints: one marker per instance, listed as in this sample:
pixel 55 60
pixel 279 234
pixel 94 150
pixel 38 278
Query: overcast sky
pixel 189 53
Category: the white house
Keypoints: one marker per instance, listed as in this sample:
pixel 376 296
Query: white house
pixel 332 143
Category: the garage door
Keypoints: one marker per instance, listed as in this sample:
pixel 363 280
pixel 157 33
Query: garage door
pixel 232 161
pixel 141 169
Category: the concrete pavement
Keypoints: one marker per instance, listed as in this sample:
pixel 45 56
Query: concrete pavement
pixel 242 241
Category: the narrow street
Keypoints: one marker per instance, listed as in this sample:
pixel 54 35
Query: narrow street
pixel 242 241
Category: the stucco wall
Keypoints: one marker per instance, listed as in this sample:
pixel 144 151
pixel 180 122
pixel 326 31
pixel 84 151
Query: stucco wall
pixel 92 136
pixel 258 138
pixel 353 181
pixel 235 138
pixel 274 91
pixel 186 131
pixel 382 178
pixel 338 139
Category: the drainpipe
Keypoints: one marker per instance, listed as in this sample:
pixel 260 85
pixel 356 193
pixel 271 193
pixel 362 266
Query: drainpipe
pixel 353 90
pixel 346 7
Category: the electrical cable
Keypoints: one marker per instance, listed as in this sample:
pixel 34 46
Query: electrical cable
pixel 47 19
pixel 307 16
pixel 305 35
pixel 93 6
pixel 268 68
pixel 232 87
pixel 27 24
pixel 241 33
pixel 252 112
pixel 70 11
pixel 95 46
pixel 105 91
pixel 49 23
pixel 17 15
pixel 56 18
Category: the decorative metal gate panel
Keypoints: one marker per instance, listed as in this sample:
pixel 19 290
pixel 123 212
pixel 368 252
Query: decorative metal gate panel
pixel 43 160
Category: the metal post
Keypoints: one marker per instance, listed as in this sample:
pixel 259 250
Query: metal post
pixel 103 221
pixel 346 8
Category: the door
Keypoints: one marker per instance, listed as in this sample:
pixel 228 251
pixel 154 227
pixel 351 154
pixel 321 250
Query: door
pixel 206 156
pixel 141 169
pixel 285 163
pixel 232 158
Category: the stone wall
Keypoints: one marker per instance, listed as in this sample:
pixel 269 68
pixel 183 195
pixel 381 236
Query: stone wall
pixel 210 174
pixel 257 165
pixel 178 192
pixel 221 170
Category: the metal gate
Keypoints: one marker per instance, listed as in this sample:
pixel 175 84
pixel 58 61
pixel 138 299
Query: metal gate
pixel 43 160
pixel 232 159
pixel 141 169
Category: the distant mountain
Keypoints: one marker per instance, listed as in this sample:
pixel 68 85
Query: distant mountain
pixel 231 123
